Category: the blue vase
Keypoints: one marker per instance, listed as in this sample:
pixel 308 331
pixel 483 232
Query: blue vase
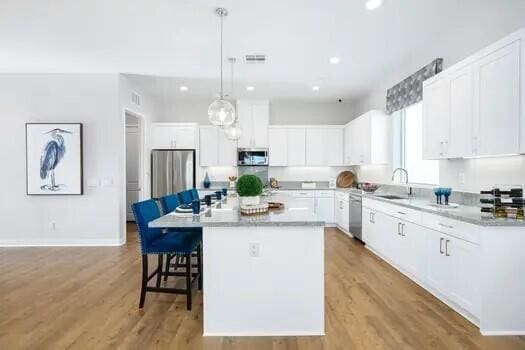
pixel 206 181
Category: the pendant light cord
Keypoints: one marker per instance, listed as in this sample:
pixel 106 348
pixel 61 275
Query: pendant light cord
pixel 222 19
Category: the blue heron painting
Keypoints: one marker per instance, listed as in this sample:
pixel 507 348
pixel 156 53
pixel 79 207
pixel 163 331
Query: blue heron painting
pixel 52 154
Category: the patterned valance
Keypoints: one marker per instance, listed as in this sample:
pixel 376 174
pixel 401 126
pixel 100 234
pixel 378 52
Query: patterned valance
pixel 410 90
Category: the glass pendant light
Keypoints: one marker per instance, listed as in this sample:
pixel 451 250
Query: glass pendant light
pixel 221 112
pixel 232 132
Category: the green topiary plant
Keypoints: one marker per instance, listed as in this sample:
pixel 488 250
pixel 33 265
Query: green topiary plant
pixel 249 186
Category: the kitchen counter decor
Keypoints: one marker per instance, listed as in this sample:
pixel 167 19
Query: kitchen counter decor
pixel 256 209
pixel 249 189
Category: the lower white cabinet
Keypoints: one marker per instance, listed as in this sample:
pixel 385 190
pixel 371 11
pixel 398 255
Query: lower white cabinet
pixel 437 260
pixel 342 211
pixel 453 269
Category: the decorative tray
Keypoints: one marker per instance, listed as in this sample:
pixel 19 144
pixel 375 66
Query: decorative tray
pixel 256 209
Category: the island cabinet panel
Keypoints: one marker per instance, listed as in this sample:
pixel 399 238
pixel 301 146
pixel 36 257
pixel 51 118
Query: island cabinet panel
pixel 253 118
pixel 173 136
pixel 263 281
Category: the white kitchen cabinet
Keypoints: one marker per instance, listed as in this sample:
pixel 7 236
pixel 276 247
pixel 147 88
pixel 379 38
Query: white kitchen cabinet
pixel 436 118
pixel 278 147
pixel 215 149
pixel 324 206
pixel 342 211
pixel 173 135
pixel 324 146
pixel 287 146
pixel 497 126
pixel 460 122
pixel 366 139
pixel 253 118
pixel 296 146
pixel 473 108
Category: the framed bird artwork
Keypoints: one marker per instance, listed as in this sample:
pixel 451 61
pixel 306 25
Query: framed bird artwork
pixel 54 159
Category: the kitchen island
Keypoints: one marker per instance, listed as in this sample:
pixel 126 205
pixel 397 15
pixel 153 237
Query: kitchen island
pixel 263 274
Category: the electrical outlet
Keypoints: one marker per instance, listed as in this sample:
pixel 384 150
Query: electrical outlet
pixel 254 249
pixel 462 178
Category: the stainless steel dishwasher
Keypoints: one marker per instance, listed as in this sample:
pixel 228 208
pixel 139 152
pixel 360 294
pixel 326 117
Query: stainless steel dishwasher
pixel 356 209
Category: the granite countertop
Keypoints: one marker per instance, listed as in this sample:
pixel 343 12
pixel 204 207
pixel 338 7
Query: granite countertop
pixel 227 214
pixel 466 213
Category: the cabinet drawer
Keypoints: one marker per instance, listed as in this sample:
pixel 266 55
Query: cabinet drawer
pixel 301 194
pixel 341 195
pixel 396 211
pixel 324 194
pixel 455 228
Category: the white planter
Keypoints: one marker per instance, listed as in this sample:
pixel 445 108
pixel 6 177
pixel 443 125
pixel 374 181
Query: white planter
pixel 250 200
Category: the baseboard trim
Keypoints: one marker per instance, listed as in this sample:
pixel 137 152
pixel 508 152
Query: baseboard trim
pixel 501 333
pixel 63 243
pixel 264 334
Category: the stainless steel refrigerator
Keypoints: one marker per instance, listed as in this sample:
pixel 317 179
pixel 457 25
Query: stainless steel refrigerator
pixel 172 171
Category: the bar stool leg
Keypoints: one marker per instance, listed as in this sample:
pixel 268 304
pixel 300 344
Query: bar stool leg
pixel 159 269
pixel 199 265
pixel 188 281
pixel 144 280
pixel 168 258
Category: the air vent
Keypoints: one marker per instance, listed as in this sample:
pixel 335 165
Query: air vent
pixel 255 59
pixel 135 99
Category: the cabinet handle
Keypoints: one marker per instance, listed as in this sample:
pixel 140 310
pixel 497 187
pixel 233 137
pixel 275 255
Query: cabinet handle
pixel 399 228
pixel 403 230
pixel 400 212
pixel 446 226
pixel 441 245
pixel 446 247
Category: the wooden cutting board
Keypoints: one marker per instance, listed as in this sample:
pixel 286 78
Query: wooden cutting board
pixel 345 179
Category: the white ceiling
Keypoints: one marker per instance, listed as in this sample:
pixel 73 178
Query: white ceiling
pixel 179 39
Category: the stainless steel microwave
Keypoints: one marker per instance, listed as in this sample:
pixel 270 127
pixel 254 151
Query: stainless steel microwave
pixel 252 157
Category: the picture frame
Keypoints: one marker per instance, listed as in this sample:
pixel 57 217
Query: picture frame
pixel 54 159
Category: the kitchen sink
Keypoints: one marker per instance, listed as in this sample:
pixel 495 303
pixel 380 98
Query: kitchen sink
pixel 390 196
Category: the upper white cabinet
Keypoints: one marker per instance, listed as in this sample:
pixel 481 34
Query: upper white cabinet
pixel 253 118
pixel 473 108
pixel 287 146
pixel 366 139
pixel 498 101
pixel 215 149
pixel 324 146
pixel 436 121
pixel 173 135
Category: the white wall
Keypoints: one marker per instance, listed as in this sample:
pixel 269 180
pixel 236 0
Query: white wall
pixel 489 21
pixel 92 218
pixel 281 112
pixel 97 101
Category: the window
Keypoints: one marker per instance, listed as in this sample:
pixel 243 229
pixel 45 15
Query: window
pixel 408 147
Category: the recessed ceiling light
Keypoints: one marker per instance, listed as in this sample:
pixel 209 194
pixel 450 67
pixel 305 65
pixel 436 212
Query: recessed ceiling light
pixel 183 88
pixel 315 88
pixel 334 60
pixel 373 4
pixel 250 88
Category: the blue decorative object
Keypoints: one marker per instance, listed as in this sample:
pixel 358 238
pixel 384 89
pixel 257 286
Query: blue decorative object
pixel 207 200
pixel 196 206
pixel 218 194
pixel 224 192
pixel 206 183
pixel 438 193
pixel 185 197
pixel 447 191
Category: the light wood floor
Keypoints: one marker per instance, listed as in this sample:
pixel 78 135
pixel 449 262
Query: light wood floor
pixel 86 298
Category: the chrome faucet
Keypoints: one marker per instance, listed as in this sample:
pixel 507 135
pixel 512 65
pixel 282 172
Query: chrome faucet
pixel 409 188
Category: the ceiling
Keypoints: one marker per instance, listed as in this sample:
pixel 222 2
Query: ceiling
pixel 179 39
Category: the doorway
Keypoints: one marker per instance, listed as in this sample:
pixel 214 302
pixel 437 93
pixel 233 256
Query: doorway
pixel 133 162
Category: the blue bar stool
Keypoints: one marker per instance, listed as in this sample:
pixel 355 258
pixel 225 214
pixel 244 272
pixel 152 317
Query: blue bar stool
pixel 185 197
pixel 169 203
pixel 155 241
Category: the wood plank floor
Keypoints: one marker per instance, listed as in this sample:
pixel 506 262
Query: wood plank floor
pixel 86 298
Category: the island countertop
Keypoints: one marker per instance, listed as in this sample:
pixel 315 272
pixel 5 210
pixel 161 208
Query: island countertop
pixel 227 214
